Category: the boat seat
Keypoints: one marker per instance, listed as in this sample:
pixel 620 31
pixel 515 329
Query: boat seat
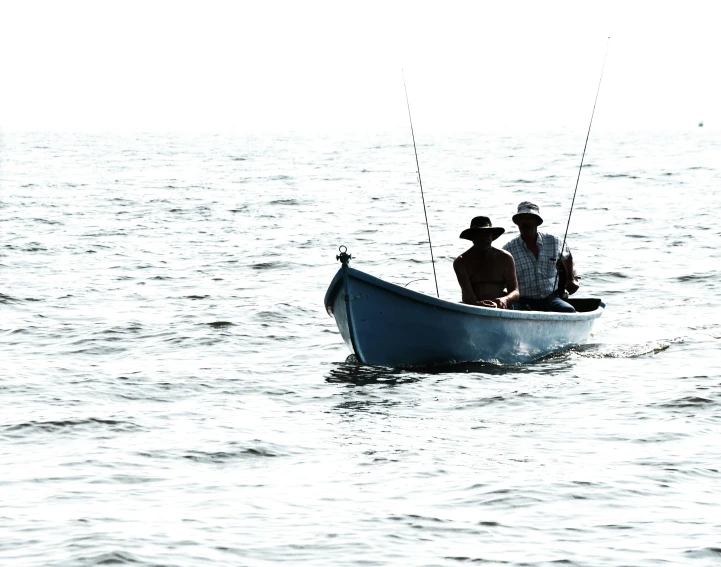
pixel 584 304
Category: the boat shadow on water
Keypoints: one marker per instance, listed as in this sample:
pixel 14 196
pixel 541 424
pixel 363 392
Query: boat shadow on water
pixel 353 372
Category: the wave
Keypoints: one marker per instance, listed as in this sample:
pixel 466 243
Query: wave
pixel 226 456
pixel 620 175
pixel 686 402
pixel 709 276
pixel 220 324
pixel 257 449
pixel 69 424
pixel 708 552
pixel 113 558
pixel 607 275
pixel 269 265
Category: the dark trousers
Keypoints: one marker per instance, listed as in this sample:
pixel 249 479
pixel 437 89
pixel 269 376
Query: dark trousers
pixel 550 303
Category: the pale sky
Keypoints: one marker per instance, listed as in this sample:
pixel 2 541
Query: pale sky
pixel 306 66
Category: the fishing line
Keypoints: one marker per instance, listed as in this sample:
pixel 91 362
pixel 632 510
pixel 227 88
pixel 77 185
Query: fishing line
pixel 598 90
pixel 418 170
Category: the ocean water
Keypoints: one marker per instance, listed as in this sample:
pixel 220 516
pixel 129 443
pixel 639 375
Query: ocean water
pixel 174 393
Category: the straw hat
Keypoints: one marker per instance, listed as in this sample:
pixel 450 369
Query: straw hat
pixel 479 225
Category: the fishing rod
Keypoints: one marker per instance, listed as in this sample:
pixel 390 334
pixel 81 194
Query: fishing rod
pixel 598 90
pixel 418 168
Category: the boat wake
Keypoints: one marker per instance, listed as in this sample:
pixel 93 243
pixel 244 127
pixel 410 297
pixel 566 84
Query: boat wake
pixel 619 350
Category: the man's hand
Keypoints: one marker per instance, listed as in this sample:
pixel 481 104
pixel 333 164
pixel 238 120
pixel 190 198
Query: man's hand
pixel 572 286
pixel 501 302
pixel 486 303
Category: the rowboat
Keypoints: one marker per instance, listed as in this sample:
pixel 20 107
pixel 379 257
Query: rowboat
pixel 389 325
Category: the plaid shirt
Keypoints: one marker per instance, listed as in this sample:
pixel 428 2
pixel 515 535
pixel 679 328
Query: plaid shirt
pixel 536 276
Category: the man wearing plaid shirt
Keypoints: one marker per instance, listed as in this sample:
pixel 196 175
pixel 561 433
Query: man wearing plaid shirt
pixel 536 255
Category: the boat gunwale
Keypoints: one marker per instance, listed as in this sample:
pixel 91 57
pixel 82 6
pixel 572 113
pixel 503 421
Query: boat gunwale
pixel 459 307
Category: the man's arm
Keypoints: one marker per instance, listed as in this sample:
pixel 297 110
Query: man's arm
pixel 511 283
pixel 464 280
pixel 572 284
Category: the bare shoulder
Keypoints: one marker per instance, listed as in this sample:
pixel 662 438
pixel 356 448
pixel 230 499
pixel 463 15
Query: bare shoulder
pixel 462 260
pixel 504 255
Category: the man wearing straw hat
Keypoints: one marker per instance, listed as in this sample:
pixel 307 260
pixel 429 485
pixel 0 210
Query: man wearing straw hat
pixel 487 275
pixel 536 255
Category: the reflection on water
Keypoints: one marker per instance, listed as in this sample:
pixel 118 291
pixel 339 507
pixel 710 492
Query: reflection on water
pixel 367 406
pixel 353 372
